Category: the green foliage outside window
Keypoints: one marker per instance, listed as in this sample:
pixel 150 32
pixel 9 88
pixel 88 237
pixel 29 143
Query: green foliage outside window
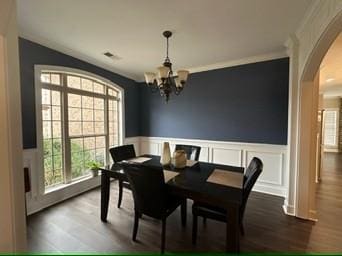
pixel 53 161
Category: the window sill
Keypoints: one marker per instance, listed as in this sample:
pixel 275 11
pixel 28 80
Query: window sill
pixel 75 182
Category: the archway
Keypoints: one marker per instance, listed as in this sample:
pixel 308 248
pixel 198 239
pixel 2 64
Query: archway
pixel 308 105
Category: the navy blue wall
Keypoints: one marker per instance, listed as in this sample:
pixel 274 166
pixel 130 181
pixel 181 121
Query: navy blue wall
pixel 247 103
pixel 32 53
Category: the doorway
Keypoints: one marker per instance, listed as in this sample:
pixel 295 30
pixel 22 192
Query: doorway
pixel 329 143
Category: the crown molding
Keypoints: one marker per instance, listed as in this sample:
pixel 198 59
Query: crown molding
pixel 74 53
pixel 237 62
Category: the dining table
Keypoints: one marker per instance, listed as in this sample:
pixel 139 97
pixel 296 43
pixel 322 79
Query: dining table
pixel 190 182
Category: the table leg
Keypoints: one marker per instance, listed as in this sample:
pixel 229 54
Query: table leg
pixel 105 187
pixel 233 231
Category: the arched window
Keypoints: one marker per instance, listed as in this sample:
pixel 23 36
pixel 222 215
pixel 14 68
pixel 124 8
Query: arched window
pixel 79 116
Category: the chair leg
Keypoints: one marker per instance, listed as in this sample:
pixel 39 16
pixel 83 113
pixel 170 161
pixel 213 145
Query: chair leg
pixel 163 235
pixel 194 229
pixel 242 230
pixel 120 193
pixel 136 224
pixel 183 213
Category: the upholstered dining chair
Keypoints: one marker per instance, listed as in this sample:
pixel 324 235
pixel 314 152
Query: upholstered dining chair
pixel 151 197
pixel 119 154
pixel 192 152
pixel 251 175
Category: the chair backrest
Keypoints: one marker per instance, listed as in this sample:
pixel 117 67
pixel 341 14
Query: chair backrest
pixel 148 188
pixel 192 152
pixel 121 153
pixel 252 173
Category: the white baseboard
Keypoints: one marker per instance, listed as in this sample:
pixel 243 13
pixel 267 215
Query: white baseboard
pixel 289 209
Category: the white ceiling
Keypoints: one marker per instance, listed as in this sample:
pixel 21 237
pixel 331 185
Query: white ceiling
pixel 205 31
pixel 331 70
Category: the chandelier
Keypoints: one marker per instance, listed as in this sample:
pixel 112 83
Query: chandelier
pixel 165 81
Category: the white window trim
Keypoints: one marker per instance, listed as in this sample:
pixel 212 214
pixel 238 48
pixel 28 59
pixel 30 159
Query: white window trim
pixel 39 137
pixel 337 110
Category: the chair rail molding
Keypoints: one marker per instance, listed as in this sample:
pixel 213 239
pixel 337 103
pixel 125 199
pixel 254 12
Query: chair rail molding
pixel 274 178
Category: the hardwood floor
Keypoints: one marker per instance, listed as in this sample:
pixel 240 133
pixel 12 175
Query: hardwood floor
pixel 75 225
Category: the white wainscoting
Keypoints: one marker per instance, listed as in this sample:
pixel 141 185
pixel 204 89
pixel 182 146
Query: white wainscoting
pixel 37 200
pixel 273 179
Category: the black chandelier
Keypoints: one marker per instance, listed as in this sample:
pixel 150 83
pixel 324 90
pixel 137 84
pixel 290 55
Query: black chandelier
pixel 164 81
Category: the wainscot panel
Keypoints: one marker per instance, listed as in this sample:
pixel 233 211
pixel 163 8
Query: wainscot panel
pixel 274 176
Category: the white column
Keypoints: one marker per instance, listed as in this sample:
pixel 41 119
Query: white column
pixel 292 133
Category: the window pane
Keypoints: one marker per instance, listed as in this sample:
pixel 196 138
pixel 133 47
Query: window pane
pixel 111 127
pixel 100 156
pixel 112 92
pixel 76 145
pixel 46 96
pixel 98 103
pixel 87 115
pixel 110 116
pixel 53 177
pixel 46 115
pixel 76 171
pixel 75 114
pixel 47 148
pixel 99 115
pixel 98 88
pixel 75 128
pixel 48 163
pixel 56 113
pixel 57 147
pixel 45 78
pixel 56 98
pixel 99 127
pixel 88 128
pixel 111 140
pixel 89 157
pixel 57 162
pixel 55 79
pixel 87 102
pixel 57 132
pixel 46 129
pixel 89 143
pixel 100 142
pixel 74 82
pixel 74 100
pixel 87 85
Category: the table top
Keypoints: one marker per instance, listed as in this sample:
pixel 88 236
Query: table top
pixel 191 182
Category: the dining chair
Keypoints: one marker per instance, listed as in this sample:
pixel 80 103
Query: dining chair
pixel 251 175
pixel 192 152
pixel 151 197
pixel 119 154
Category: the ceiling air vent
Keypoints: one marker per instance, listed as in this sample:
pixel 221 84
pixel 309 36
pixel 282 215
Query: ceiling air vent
pixel 112 56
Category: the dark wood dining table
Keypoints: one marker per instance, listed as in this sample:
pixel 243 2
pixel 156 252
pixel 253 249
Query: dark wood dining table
pixel 191 182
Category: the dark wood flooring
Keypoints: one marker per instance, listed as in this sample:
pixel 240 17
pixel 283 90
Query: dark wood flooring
pixel 75 225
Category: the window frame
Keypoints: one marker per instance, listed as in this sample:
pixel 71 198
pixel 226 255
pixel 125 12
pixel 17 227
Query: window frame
pixel 337 120
pixel 64 116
